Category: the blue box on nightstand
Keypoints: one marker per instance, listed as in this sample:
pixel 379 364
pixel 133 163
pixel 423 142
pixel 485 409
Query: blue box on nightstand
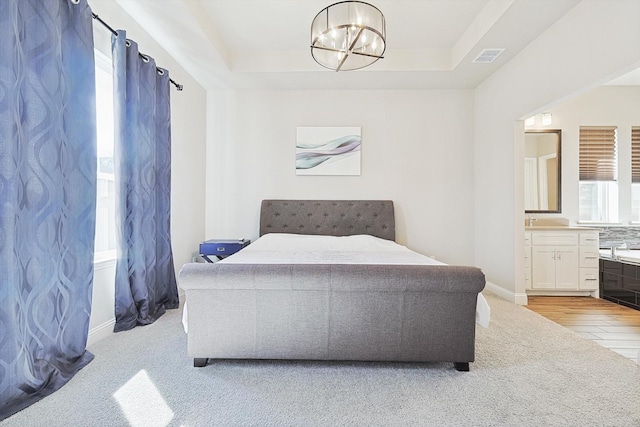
pixel 221 248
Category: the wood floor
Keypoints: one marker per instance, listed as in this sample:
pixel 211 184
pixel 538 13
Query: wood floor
pixel 611 325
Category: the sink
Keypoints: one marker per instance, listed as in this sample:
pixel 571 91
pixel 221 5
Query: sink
pixel 547 222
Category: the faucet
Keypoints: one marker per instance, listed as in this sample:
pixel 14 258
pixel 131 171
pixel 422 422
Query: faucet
pixel 615 246
pixel 614 249
pixel 531 219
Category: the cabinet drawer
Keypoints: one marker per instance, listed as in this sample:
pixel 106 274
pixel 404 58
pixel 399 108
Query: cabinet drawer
pixel 589 239
pixel 554 239
pixel 589 257
pixel 589 279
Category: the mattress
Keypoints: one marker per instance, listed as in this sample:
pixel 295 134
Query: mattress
pixel 282 248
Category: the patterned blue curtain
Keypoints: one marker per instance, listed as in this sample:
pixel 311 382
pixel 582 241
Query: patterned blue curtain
pixel 145 276
pixel 47 196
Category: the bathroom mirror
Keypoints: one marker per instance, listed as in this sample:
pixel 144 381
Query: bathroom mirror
pixel 542 171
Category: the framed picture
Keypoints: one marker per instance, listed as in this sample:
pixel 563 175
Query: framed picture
pixel 328 150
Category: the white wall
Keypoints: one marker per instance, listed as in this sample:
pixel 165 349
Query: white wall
pixel 604 106
pixel 188 133
pixel 416 150
pixel 593 43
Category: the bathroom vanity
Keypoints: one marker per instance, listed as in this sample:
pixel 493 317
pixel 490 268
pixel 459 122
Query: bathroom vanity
pixel 562 260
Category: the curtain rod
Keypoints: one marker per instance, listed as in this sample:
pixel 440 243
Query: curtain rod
pixel 115 33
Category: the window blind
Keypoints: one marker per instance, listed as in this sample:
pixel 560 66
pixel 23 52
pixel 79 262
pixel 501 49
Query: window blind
pixel 635 154
pixel 598 160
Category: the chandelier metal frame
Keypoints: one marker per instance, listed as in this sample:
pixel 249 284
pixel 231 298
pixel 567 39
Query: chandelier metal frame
pixel 348 35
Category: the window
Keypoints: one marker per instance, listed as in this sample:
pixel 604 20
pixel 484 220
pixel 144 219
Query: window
pixel 105 245
pixel 635 173
pixel 598 193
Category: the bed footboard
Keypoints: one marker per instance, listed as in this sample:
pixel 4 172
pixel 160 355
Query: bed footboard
pixel 421 313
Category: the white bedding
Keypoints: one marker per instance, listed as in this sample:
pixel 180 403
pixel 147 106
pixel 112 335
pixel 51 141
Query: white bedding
pixel 281 248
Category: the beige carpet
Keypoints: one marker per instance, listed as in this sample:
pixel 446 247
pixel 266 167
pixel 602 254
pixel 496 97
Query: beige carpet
pixel 529 371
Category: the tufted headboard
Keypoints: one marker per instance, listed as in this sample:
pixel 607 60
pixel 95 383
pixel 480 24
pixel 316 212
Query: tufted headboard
pixel 329 217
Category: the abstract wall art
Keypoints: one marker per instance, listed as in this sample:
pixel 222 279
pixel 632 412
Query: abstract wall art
pixel 328 150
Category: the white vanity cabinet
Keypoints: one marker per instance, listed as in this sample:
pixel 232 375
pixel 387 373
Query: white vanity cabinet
pixel 554 267
pixel 561 261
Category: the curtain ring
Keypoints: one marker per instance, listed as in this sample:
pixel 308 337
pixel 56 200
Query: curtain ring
pixel 160 71
pixel 75 1
pixel 144 58
pixel 127 43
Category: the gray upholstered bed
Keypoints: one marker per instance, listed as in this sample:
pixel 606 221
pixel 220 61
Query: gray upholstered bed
pixel 331 311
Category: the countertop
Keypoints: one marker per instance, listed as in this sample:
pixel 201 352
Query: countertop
pixel 560 227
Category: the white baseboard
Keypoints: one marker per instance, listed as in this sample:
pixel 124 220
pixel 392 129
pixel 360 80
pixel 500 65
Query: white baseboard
pixel 517 298
pixel 594 294
pixel 100 332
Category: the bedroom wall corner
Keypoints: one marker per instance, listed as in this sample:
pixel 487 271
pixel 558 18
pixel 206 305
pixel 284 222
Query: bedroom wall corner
pixel 188 150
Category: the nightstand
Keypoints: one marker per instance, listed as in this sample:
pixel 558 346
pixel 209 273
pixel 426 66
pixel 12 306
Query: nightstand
pixel 221 248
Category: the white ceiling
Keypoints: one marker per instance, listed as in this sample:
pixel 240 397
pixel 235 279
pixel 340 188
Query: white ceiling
pixel 264 44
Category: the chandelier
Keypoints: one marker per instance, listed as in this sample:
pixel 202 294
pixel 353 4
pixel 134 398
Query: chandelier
pixel 348 35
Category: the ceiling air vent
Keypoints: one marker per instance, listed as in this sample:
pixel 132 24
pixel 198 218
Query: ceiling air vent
pixel 487 56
